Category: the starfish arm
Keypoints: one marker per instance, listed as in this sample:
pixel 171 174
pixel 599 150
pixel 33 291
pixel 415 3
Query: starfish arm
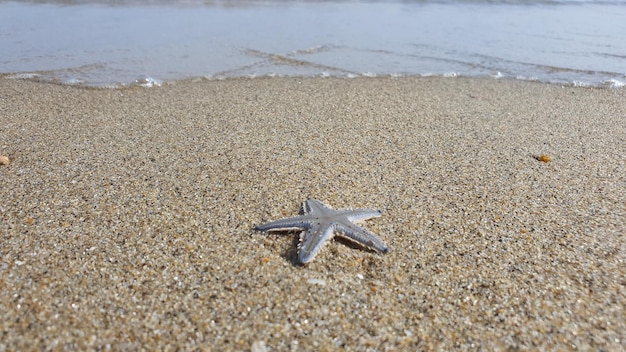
pixel 363 214
pixel 313 240
pixel 294 223
pixel 362 236
pixel 314 206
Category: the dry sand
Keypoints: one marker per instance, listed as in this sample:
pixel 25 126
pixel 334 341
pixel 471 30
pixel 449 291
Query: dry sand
pixel 126 215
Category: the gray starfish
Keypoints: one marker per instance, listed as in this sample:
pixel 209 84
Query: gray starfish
pixel 320 223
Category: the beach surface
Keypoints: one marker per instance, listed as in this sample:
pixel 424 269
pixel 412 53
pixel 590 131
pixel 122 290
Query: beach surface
pixel 127 215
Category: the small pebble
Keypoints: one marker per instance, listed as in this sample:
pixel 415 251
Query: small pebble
pixel 4 160
pixel 258 346
pixel 317 282
pixel 544 158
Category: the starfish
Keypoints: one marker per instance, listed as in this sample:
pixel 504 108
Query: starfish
pixel 319 223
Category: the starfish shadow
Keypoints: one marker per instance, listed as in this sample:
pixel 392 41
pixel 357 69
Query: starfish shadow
pixel 352 244
pixel 292 253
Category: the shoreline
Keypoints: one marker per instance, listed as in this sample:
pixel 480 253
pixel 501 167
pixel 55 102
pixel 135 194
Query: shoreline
pixel 127 215
pixel 150 82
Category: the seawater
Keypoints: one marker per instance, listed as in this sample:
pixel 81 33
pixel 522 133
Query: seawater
pixel 110 44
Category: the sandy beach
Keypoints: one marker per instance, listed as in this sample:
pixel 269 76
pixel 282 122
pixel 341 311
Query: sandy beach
pixel 127 215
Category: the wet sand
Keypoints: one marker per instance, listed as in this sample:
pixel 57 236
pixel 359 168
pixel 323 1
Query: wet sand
pixel 126 215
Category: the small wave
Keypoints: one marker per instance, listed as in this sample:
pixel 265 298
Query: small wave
pixel 74 82
pixel 314 50
pixel 147 82
pixel 24 75
pixel 614 83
